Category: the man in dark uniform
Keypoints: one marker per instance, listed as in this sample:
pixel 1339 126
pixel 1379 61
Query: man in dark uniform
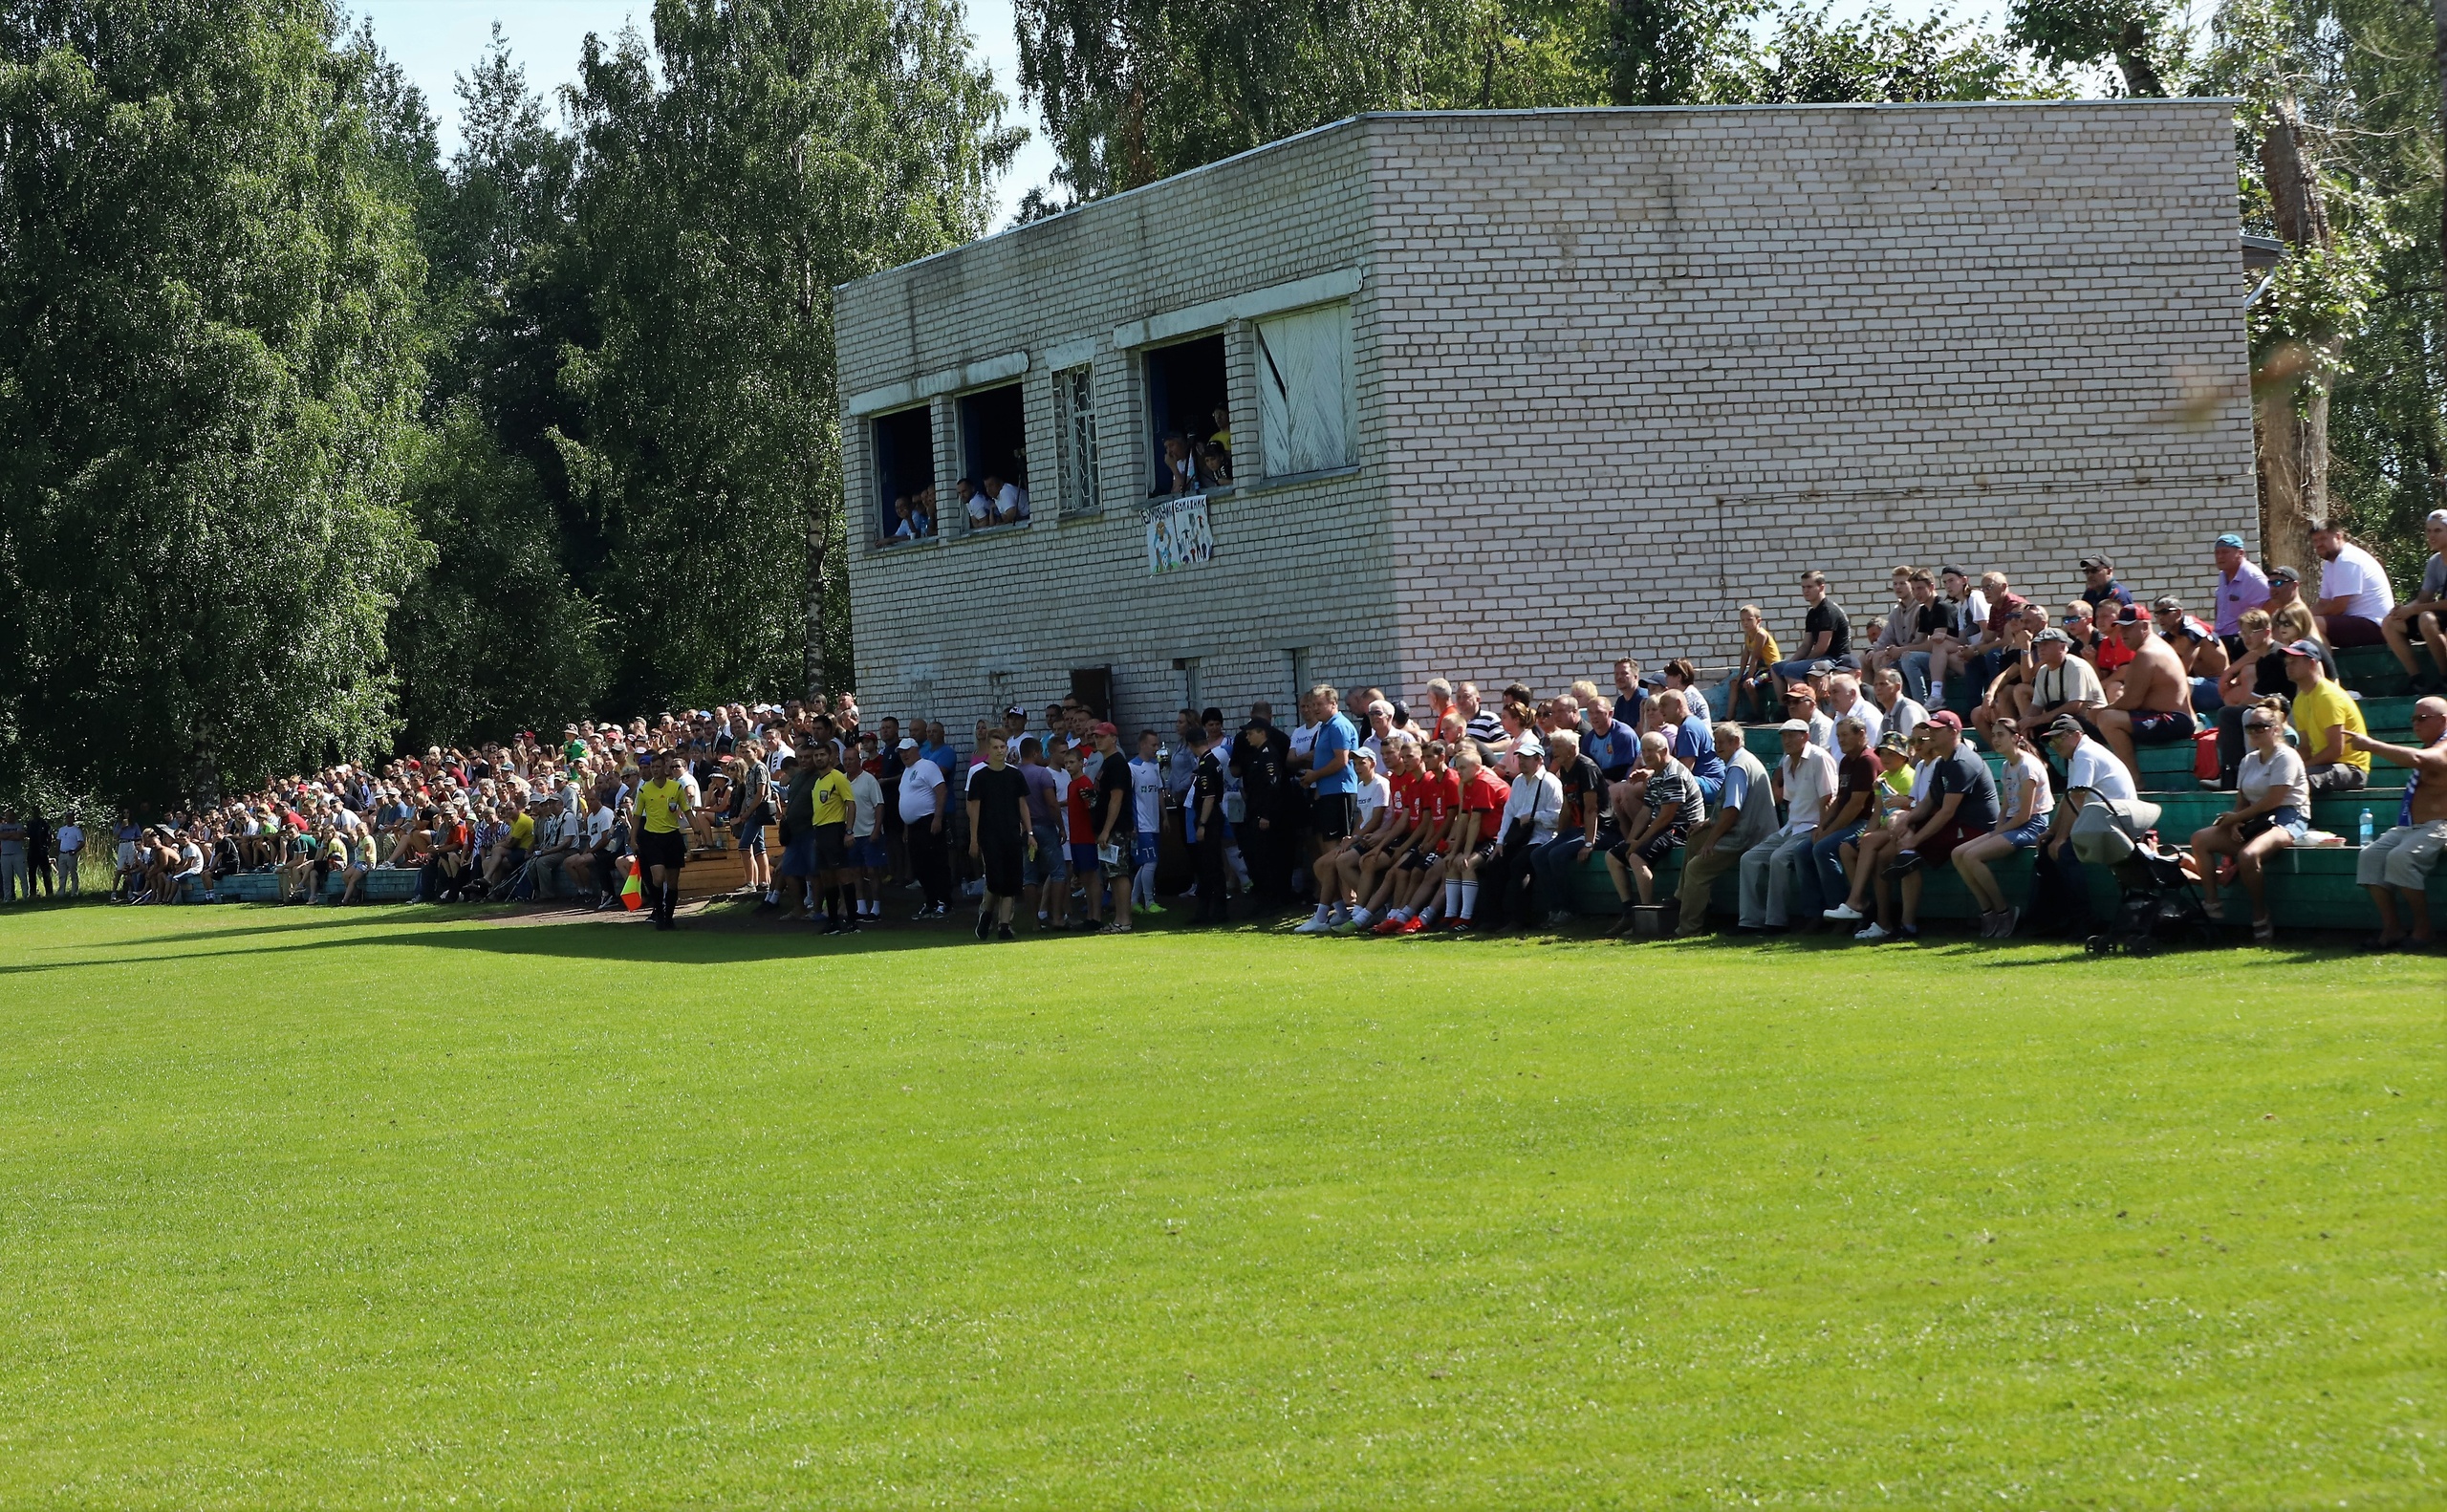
pixel 1206 814
pixel 1262 759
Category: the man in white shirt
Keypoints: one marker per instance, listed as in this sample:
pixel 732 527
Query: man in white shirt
pixel 1844 702
pixel 70 843
pixel 1897 712
pixel 1010 501
pixel 867 860
pixel 1801 704
pixel 922 816
pixel 2100 800
pixel 1538 797
pixel 1778 877
pixel 2354 596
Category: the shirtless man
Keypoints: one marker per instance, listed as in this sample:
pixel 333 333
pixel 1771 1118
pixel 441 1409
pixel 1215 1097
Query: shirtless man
pixel 2396 865
pixel 2155 708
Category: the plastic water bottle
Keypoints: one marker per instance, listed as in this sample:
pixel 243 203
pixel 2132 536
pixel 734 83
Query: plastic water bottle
pixel 2365 839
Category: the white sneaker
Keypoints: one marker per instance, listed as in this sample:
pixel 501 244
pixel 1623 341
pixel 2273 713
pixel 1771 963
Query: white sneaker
pixel 1311 926
pixel 1874 934
pixel 1843 911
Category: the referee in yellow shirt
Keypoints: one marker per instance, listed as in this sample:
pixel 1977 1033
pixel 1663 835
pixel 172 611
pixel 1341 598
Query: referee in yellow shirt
pixel 830 811
pixel 663 835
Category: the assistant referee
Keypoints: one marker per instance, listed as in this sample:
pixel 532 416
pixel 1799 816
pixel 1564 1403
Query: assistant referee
pixel 662 839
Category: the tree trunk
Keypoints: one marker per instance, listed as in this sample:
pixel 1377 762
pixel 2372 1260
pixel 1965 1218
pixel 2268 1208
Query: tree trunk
pixel 2291 417
pixel 2133 56
pixel 2438 54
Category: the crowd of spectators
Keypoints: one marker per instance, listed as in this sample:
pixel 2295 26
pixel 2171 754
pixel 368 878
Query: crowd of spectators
pixel 1461 812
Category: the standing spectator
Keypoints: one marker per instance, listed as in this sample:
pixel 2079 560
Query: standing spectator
pixel 1962 806
pixel 2424 615
pixel 2026 803
pixel 13 875
pixel 2241 588
pixel 2272 812
pixel 922 787
pixel 1826 633
pixel 1777 875
pixel 2324 715
pixel 1147 822
pixel 2400 861
pixel 71 857
pixel 1205 812
pixel 1116 843
pixel 2354 598
pixel 1002 837
pixel 1262 761
pixel 1332 783
pixel 38 842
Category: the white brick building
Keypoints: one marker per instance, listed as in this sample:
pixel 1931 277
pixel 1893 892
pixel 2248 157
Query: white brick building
pixel 1603 375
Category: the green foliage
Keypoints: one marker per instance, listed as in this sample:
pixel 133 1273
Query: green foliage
pixel 1875 59
pixel 207 384
pixel 2070 34
pixel 1659 52
pixel 765 151
pixel 493 636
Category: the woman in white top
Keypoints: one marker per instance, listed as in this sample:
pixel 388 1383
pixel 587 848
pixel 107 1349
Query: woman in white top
pixel 2024 806
pixel 2272 809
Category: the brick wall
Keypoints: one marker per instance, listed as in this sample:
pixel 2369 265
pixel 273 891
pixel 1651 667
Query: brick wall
pixel 1652 363
pixel 1616 372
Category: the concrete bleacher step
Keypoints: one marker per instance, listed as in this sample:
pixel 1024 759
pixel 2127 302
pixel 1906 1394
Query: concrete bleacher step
pixel 2182 812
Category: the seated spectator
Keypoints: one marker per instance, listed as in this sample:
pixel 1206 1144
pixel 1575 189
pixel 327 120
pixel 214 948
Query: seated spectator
pixel 1751 692
pixel 1848 816
pixel 2272 812
pixel 1680 675
pixel 1180 472
pixel 1614 745
pixel 1825 634
pixel 1960 805
pixel 2396 866
pixel 1658 814
pixel 2155 708
pixel 2010 691
pixel 1931 630
pixel 2060 683
pixel 2356 598
pixel 1692 741
pixel 1901 626
pixel 2257 672
pixel 1585 818
pixel 1898 712
pixel 1533 813
pixel 1902 780
pixel 2099 586
pixel 1844 702
pixel 1801 703
pixel 2324 715
pixel 1778 877
pixel 2424 615
pixel 2197 646
pixel 1745 815
pixel 2028 803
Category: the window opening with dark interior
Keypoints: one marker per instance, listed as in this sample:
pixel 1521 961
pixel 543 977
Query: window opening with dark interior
pixel 994 457
pixel 905 475
pixel 1187 404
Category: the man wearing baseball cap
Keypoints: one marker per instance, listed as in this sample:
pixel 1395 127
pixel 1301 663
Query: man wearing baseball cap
pixel 2156 707
pixel 2241 586
pixel 2099 584
pixel 2323 715
pixel 1961 804
pixel 2195 646
pixel 1779 878
pixel 923 796
pixel 2061 682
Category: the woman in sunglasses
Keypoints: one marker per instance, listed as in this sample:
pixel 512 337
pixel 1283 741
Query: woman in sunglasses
pixel 2272 809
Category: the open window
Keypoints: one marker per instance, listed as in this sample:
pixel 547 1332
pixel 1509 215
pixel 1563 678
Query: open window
pixel 904 443
pixel 994 457
pixel 1187 407
pixel 1304 389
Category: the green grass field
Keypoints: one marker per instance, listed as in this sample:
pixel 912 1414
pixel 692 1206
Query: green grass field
pixel 391 1207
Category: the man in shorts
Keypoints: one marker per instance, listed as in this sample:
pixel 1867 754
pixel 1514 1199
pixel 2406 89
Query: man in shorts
pixel 1413 887
pixel 867 861
pixel 1331 782
pixel 1048 870
pixel 1656 813
pixel 1002 837
pixel 831 801
pixel 662 837
pixel 1961 803
pixel 2400 861
pixel 1364 866
pixel 2155 708
pixel 1478 834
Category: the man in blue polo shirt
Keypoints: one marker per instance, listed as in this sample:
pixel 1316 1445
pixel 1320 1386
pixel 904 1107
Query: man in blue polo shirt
pixel 1333 782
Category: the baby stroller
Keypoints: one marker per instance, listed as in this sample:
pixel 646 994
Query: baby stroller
pixel 2156 905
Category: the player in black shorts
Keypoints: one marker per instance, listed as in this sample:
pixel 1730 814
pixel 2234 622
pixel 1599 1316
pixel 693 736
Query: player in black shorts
pixel 1000 838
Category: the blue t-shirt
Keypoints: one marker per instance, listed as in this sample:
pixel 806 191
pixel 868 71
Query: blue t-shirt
pixel 1335 735
pixel 1615 752
pixel 1695 745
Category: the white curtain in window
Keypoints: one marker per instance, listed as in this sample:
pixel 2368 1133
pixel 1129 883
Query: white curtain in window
pixel 1304 389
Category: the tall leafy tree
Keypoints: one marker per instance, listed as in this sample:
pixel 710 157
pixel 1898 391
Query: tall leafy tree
pixel 2136 35
pixel 1870 59
pixel 208 376
pixel 763 151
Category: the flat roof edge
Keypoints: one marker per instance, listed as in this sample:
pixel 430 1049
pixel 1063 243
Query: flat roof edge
pixel 1322 129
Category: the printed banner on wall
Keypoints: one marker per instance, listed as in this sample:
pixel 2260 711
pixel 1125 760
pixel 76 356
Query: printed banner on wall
pixel 1178 536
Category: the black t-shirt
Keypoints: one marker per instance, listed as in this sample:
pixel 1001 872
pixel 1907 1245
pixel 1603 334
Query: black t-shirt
pixel 1265 773
pixel 1206 781
pixel 998 796
pixel 1967 774
pixel 1114 778
pixel 1828 616
pixel 1933 617
pixel 1582 777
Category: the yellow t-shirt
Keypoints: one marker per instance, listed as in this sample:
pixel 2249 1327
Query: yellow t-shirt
pixel 834 798
pixel 660 805
pixel 522 831
pixel 2326 704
